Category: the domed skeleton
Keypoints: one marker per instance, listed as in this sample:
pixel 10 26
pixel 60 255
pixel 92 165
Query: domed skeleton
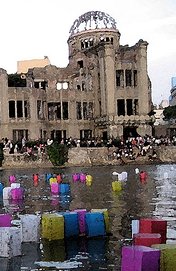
pixel 92 20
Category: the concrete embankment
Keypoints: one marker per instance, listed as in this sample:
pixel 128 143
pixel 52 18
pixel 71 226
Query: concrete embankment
pixel 167 154
pixel 90 157
pixel 104 156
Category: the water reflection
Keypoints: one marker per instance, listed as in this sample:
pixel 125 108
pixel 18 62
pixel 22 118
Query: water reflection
pixel 165 200
pixel 156 197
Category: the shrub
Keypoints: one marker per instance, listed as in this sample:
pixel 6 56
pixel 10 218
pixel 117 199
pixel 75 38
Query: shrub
pixel 58 154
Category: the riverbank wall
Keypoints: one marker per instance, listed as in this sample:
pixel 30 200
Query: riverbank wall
pixel 89 157
pixel 105 156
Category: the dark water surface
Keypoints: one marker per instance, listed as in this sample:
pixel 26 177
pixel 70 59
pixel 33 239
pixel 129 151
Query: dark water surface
pixel 157 197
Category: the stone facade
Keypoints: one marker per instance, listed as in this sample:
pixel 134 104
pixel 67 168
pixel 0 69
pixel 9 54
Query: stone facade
pixel 104 91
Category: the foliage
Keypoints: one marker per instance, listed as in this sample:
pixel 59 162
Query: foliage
pixel 58 153
pixel 169 112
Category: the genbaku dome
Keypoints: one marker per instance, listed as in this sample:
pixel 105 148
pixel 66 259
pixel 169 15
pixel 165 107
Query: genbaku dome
pixel 104 91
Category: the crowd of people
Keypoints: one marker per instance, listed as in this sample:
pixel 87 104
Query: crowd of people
pixel 130 148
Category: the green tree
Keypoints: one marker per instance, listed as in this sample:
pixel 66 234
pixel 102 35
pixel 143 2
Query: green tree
pixel 58 154
pixel 169 112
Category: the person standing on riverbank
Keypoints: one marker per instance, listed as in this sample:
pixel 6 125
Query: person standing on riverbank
pixel 1 153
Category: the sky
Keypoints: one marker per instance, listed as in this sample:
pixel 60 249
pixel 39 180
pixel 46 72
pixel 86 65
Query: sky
pixel 33 29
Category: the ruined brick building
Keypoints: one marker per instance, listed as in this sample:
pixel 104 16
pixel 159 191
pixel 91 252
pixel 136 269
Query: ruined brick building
pixel 104 91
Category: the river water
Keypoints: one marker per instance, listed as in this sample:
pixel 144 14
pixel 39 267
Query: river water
pixel 156 197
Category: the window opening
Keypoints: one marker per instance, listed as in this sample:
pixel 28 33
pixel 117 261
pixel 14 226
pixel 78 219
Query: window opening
pixel 11 109
pixel 16 80
pixel 90 110
pixel 36 84
pixel 19 134
pixel 54 111
pixel 136 107
pixel 44 85
pixel 26 109
pixel 85 110
pixel 129 107
pixel 65 85
pixel 121 107
pixel 40 84
pixel 85 134
pixel 82 45
pixel 57 110
pixel 58 135
pixel 86 44
pixel 39 110
pixel 80 64
pixel 91 41
pixel 135 78
pixel 78 111
pixel 59 86
pixel 105 135
pixel 44 135
pixel 100 107
pixel 19 109
pixel 41 133
pixel 83 86
pixel 52 134
pixel 128 78
pixel 65 110
pixel 78 87
pixel 119 78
